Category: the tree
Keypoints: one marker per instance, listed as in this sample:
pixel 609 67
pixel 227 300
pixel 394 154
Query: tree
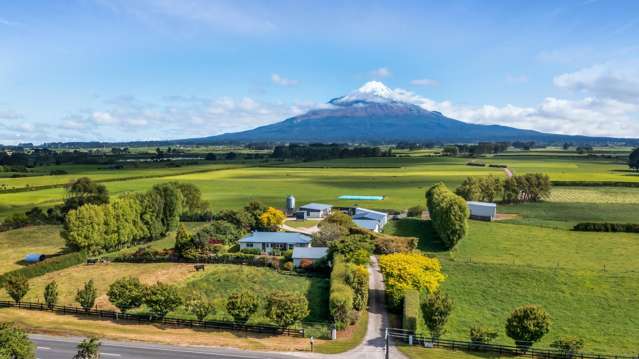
pixel 482 335
pixel 88 349
pixel 450 151
pixel 192 201
pixel 527 325
pixel 355 248
pixel 338 218
pixel 14 343
pixel 161 299
pixel 183 240
pixel 241 305
pixel 568 346
pixel 286 308
pixel 416 211
pixel 449 214
pixel 51 294
pixel 218 232
pixel 255 209
pixel 87 295
pixel 436 310
pixel 17 287
pixel 357 278
pixel 84 191
pixel 84 229
pixel 328 233
pixel 633 159
pixel 271 219
pixel 126 293
pixel 199 305
pixel 172 200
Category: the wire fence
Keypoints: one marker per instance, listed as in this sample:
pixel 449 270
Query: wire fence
pixel 145 318
pixel 412 338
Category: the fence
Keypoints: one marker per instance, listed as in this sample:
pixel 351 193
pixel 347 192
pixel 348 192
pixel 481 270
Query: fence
pixel 141 318
pixel 505 350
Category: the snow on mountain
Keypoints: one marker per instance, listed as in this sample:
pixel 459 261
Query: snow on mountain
pixel 372 91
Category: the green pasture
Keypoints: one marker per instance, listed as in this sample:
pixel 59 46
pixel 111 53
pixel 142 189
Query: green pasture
pixel 586 281
pixel 566 214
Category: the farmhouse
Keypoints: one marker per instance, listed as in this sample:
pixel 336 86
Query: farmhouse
pixel 310 254
pixel 363 214
pixel 267 242
pixel 316 210
pixel 482 210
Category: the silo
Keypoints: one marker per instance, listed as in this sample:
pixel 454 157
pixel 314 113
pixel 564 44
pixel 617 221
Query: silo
pixel 290 204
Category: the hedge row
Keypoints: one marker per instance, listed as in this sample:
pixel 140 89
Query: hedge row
pixel 498 166
pixel 48 265
pixel 607 227
pixel 595 184
pixel 449 214
pixel 411 312
pixel 341 295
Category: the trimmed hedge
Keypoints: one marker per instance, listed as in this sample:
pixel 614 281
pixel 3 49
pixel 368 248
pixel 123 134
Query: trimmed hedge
pixel 449 214
pixel 411 312
pixel 46 266
pixel 607 227
pixel 340 301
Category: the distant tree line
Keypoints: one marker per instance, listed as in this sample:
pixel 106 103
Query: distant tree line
pixel 531 187
pixel 633 159
pixel 315 152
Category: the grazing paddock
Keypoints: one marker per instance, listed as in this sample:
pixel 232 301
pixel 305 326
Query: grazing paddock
pixel 595 195
pixel 15 244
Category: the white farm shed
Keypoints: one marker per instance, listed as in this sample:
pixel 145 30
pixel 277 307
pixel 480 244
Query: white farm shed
pixel 482 210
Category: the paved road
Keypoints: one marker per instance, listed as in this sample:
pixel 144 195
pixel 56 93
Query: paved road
pixel 65 348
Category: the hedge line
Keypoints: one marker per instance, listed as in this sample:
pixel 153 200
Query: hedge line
pixel 46 266
pixel 607 227
pixel 596 184
pixel 410 314
pixel 448 213
pixel 341 295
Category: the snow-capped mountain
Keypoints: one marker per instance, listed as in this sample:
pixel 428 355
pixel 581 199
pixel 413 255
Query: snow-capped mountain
pixel 376 113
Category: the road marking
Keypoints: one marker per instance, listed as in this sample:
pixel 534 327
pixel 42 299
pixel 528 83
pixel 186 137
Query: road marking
pixel 111 354
pixel 44 348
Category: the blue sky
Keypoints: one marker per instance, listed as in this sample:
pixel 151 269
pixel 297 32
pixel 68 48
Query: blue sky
pixel 116 70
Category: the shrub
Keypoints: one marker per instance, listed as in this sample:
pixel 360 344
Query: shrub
pixel 288 266
pixel 568 346
pixel 15 343
pixel 17 287
pixel 286 308
pixel 126 293
pixel 416 211
pixel 339 218
pixel 482 335
pixel 51 294
pixel 87 295
pixel 403 271
pixel 411 313
pixel 341 295
pixel 161 299
pixel 354 248
pixel 329 232
pixel 385 244
pixel 253 251
pixel 219 232
pixel 449 214
pixel 527 325
pixel 199 305
pixel 271 219
pixel 242 305
pixel 88 349
pixel 436 310
pixel 357 279
pixel 607 227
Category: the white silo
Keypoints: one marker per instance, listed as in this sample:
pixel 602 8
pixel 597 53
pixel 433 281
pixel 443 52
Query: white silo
pixel 290 204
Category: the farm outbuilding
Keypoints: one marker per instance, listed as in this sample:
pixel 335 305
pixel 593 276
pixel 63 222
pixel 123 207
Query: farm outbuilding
pixel 316 210
pixel 369 214
pixel 482 210
pixel 310 254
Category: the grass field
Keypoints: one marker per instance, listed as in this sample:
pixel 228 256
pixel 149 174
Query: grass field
pixel 15 244
pixel 500 266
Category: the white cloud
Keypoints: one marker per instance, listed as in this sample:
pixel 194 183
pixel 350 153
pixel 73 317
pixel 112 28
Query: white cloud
pixel 381 72
pixel 606 81
pixel 424 82
pixel 283 81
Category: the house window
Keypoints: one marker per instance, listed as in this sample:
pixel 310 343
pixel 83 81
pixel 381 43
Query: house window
pixel 249 245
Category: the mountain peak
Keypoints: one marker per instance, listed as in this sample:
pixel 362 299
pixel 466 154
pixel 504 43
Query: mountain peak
pixel 376 88
pixel 372 91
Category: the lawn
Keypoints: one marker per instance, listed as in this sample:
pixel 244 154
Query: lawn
pixel 500 266
pixel 302 223
pixel 15 244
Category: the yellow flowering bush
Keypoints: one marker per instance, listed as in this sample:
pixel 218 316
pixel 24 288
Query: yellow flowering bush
pixel 412 270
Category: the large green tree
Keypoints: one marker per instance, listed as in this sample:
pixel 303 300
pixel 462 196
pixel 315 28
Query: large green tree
pixel 84 191
pixel 172 200
pixel 126 293
pixel 14 343
pixel 286 308
pixel 528 324
pixel 449 214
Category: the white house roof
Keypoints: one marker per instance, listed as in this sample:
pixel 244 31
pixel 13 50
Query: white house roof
pixel 367 223
pixel 276 237
pixel 363 213
pixel 310 252
pixel 316 206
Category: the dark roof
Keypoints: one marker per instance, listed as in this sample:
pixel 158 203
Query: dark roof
pixel 316 206
pixel 276 237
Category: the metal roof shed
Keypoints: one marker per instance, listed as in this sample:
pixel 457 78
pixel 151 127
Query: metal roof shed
pixel 482 210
